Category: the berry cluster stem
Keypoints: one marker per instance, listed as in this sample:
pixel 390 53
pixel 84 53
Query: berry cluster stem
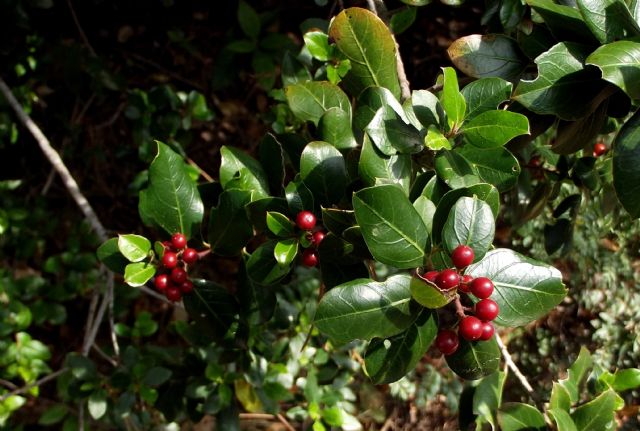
pixel 460 309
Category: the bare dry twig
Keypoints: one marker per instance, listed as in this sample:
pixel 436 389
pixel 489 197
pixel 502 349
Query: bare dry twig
pixel 512 365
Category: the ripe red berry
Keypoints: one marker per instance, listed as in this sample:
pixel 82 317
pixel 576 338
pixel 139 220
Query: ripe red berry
pixel 481 287
pixel 431 276
pixel 186 286
pixel 309 258
pixel 599 149
pixel 447 341
pixel 487 309
pixel 487 331
pixel 178 275
pixel 447 279
pixel 179 241
pixel 464 283
pixel 306 220
pixel 189 256
pixel 462 256
pixel 169 259
pixel 161 282
pixel 317 238
pixel 167 246
pixel 470 328
pixel 173 294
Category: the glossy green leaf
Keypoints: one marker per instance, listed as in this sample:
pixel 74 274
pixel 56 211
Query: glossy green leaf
pixel 599 413
pixel 476 359
pixel 428 295
pixel 97 404
pixel 335 127
pixel 366 41
pixel 564 22
pixel 426 209
pixel 374 98
pixel 562 419
pixel 626 159
pixel 272 158
pixel 211 306
pixel 317 43
pixel 229 226
pixel 525 289
pixel 285 251
pixel 493 129
pixel 137 274
pixel 402 20
pixel 470 223
pixel 134 247
pixel 110 256
pixel 336 273
pixel 572 136
pixel 485 94
pixel 495 166
pixel 455 170
pixel 262 266
pixel 577 374
pixel 624 380
pixel 279 224
pixel 293 71
pixel 323 171
pixel 560 398
pixel 392 228
pixel 608 20
pixel 172 200
pixel 257 211
pixel 375 167
pixel 484 56
pixel 391 134
pixel 337 220
pixel 298 196
pixel 452 100
pixel 435 140
pixel 563 86
pixel 619 63
pixel 238 170
pixel 389 360
pixel 364 309
pixel 426 108
pixel 520 417
pixel 488 397
pixel 310 100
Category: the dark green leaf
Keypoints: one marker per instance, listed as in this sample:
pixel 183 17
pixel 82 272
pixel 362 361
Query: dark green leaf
pixel 392 228
pixel 562 420
pixel 364 309
pixel 493 129
pixel 520 417
pixel 476 359
pixel 262 266
pixel 389 360
pixel 558 235
pixel 272 159
pixel 156 376
pixel 565 22
pixel 171 200
pixel 391 134
pixel 137 274
pixel 491 55
pixel 608 20
pixel 257 211
pixel 416 2
pixel 572 136
pixel 53 415
pixel 257 304
pixel 229 226
pixel 488 396
pixel 426 108
pixel 336 220
pixel 134 247
pixel 525 289
pixel 335 127
pixel 279 224
pixel 599 413
pixel 299 197
pixel 451 99
pixel 495 166
pixel 470 223
pixel 238 170
pixel 402 20
pixel 374 98
pixel 81 367
pixel 336 273
pixel 109 254
pixel 285 251
pixel 577 374
pixel 455 170
pixel 619 63
pixel 248 19
pixel 626 159
pixel 375 167
pixel 211 306
pixel 485 94
pixel 323 171
pixel 293 72
pixel 310 100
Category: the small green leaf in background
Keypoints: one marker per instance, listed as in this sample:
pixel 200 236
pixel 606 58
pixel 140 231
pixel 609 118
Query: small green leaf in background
pixel 134 247
pixel 402 20
pixel 53 415
pixel 137 274
pixel 488 397
pixel 452 100
pixel 262 266
pixel 279 224
pixel 229 226
pixel 285 251
pixel 156 376
pixel 109 254
pixel 317 43
pixel 470 223
pixel 493 129
pixel 309 100
pixel 81 367
pixel 626 159
pixel 520 417
pixel 323 171
pixel 475 359
pixel 238 170
pixel 490 55
pixel 97 404
pixel 248 19
pixel 577 374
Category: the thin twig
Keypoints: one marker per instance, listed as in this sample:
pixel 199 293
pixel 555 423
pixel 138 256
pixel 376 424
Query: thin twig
pixel 80 415
pixel 8 384
pixel 112 325
pixel 202 172
pixel 38 382
pixel 99 315
pixel 81 31
pixel 388 424
pixel 103 355
pixel 285 422
pixel 160 297
pixel 509 360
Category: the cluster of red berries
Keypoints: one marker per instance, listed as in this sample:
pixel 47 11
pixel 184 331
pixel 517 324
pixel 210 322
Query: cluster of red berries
pixel 471 328
pixel 175 260
pixel 306 221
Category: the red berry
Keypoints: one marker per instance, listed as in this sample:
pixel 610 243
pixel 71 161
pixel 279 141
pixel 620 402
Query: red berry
pixel 161 282
pixel 189 256
pixel 169 259
pixel 470 328
pixel 447 279
pixel 186 286
pixel 599 149
pixel 481 287
pixel 309 258
pixel 317 238
pixel 431 276
pixel 464 283
pixel 173 294
pixel 178 275
pixel 179 241
pixel 462 256
pixel 487 331
pixel 447 341
pixel 487 309
pixel 167 246
pixel 535 161
pixel 306 220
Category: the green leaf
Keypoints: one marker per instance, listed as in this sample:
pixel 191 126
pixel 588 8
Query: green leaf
pixel 293 72
pixel 565 22
pixel 323 171
pixel 391 134
pixel 495 166
pixel 426 208
pixel 248 19
pixel 599 413
pixel 273 160
pixel 426 108
pixel 488 396
pixel 428 295
pixel 563 86
pixel 391 227
pixel 560 398
pixel 493 129
pixel 452 100
pixel 608 20
pixel 156 376
pixel 416 2
pixel 134 247
pixel 374 98
pixel 491 55
pixel 211 306
pixel 317 43
pixel 572 136
pixel 476 359
pixel 229 226
pixel 337 220
pixel 562 420
pixel 262 266
pixel 257 211
pixel 520 417
pixel 364 309
pixel 619 63
pixel 577 374
pixel 624 380
pixel 238 170
pixel 110 256
pixel 279 224
pixel 389 360
pixel 435 140
pixel 285 251
pixel 366 41
pixel 172 200
pixel 97 404
pixel 81 367
pixel 485 94
pixel 525 289
pixel 335 127
pixel 626 159
pixel 53 415
pixel 455 170
pixel 298 196
pixel 257 304
pixel 374 167
pixel 470 223
pixel 309 100
pixel 137 274
pixel 402 20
